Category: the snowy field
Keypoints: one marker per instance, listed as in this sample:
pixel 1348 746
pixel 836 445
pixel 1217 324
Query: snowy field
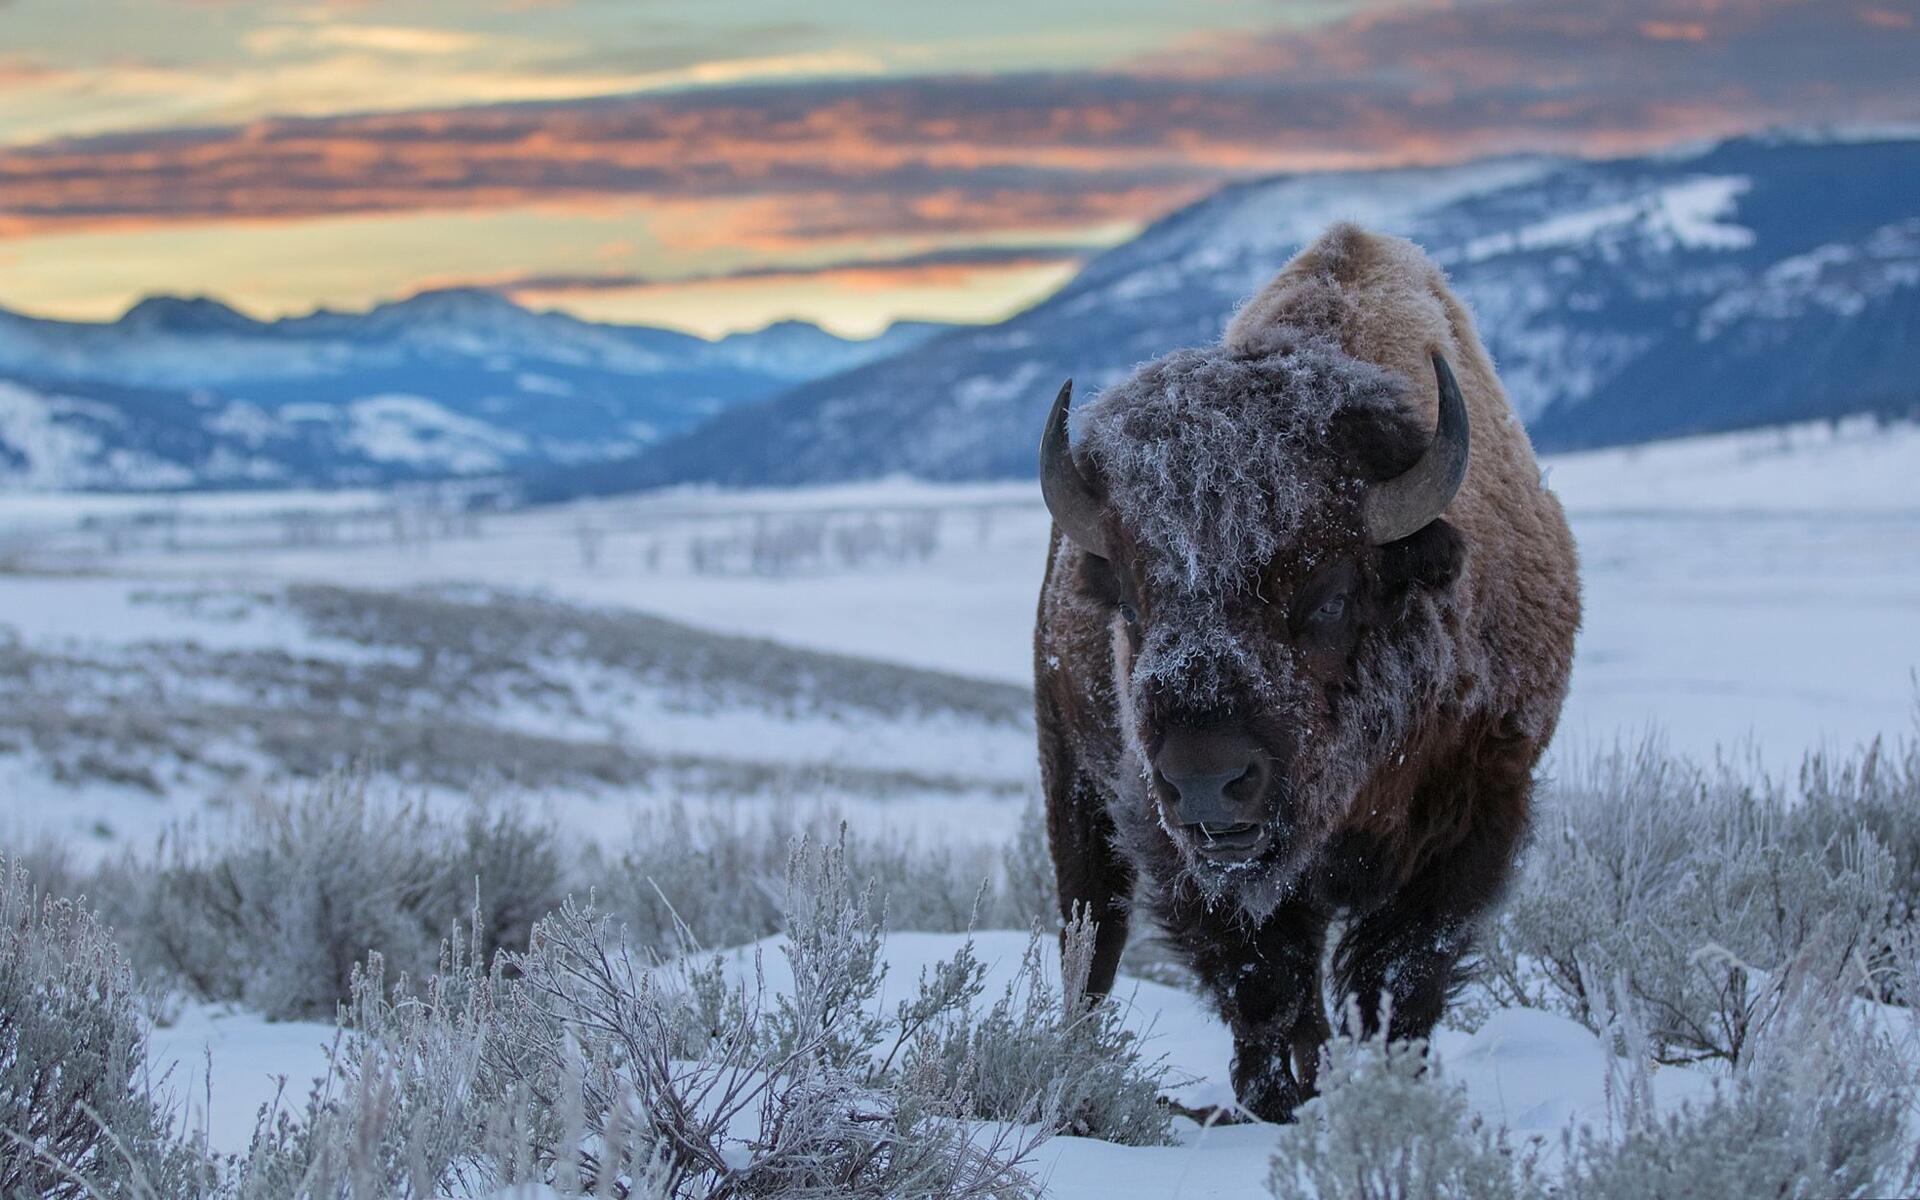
pixel 1745 591
pixel 1750 594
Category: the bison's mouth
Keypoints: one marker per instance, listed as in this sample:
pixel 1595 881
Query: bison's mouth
pixel 1237 842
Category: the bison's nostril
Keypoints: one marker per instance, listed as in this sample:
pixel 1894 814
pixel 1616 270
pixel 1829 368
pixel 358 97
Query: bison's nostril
pixel 1251 784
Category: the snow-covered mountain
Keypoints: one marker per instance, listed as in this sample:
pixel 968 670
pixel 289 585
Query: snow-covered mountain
pixel 189 392
pixel 1758 281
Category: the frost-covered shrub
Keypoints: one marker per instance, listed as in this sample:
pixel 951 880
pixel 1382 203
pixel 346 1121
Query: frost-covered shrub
pixel 1701 891
pixel 835 950
pixel 507 863
pixel 586 1066
pixel 1759 1135
pixel 1386 1127
pixel 1808 1115
pixel 400 1113
pixel 1817 1109
pixel 77 1113
pixel 276 907
pixel 1877 789
pixel 711 877
pixel 1031 897
pixel 277 910
pixel 717 876
pixel 771 1099
pixel 52 868
pixel 936 887
pixel 1040 1041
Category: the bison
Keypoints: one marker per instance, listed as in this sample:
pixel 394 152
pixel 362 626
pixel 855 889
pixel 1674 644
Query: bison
pixel 1298 652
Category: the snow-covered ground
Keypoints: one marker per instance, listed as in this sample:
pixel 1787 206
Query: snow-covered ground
pixel 131 703
pixel 27 512
pixel 1744 592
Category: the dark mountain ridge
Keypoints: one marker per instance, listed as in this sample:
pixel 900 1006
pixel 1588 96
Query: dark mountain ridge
pixel 1757 281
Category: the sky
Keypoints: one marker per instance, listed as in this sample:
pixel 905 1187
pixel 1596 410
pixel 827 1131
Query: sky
pixel 716 165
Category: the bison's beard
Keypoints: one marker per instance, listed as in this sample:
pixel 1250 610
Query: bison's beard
pixel 1309 805
pixel 1338 748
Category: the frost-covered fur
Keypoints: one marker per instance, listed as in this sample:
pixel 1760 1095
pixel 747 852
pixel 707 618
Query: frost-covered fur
pixel 1234 478
pixel 1217 458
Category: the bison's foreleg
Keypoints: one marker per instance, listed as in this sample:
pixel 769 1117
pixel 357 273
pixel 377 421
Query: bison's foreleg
pixel 1407 951
pixel 1092 877
pixel 1094 880
pixel 1266 981
pixel 1279 1022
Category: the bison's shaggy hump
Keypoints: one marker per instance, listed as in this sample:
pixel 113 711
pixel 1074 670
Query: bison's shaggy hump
pixel 1215 457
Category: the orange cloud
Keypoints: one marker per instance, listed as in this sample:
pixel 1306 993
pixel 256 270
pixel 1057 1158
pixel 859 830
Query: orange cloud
pixel 405 41
pixel 930 267
pixel 777 167
pixel 19 71
pixel 1886 18
pixel 1674 31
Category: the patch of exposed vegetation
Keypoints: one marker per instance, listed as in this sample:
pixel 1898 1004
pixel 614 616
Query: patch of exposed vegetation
pixel 482 635
pixel 460 693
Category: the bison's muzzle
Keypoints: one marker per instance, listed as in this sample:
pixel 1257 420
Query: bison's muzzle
pixel 1214 784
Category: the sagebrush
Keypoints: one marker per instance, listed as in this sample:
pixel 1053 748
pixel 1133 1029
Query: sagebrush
pixel 276 904
pixel 1701 889
pixel 79 1115
pixel 590 1066
pixel 275 907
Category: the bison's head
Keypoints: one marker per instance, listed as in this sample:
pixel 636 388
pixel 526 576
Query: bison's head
pixel 1263 529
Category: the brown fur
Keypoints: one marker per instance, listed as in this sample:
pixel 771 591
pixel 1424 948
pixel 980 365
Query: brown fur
pixel 1415 839
pixel 1389 304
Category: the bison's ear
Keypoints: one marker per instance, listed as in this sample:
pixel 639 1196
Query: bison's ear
pixel 1429 557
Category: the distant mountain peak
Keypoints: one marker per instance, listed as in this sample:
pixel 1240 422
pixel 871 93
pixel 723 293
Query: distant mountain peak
pixel 454 303
pixel 918 327
pixel 796 329
pixel 185 315
pixel 788 330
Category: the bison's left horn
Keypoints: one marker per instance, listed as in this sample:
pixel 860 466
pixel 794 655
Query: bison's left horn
pixel 1406 503
pixel 1074 504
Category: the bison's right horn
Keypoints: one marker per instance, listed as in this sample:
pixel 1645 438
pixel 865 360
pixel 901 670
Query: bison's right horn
pixel 1075 506
pixel 1407 503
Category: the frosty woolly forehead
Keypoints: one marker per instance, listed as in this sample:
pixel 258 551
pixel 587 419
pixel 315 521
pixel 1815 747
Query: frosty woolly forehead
pixel 1216 460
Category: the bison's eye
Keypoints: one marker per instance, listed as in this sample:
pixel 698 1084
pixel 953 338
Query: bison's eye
pixel 1324 609
pixel 1128 615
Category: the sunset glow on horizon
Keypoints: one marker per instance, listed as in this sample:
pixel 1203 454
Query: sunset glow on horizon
pixel 717 167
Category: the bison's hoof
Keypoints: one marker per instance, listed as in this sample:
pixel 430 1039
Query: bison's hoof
pixel 1263 1083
